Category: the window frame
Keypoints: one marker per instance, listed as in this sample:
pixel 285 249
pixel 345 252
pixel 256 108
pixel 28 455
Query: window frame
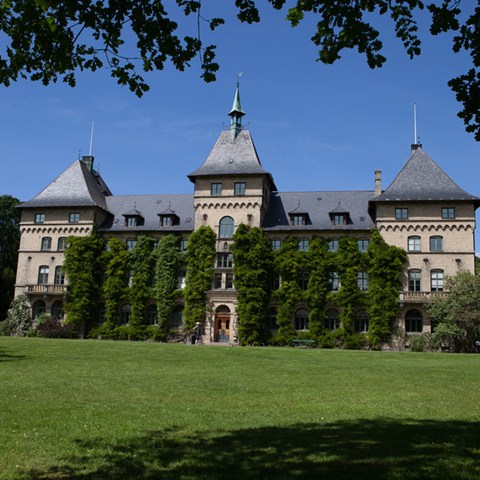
pixel 436 243
pixel 39 218
pixel 363 244
pixel 414 243
pixel 401 213
pixel 59 277
pixel 448 213
pixel 362 281
pixel 415 280
pixel 301 320
pixel 437 280
pixel 339 219
pixel 74 217
pixel 131 243
pixel 216 188
pixel 226 229
pixel 225 260
pixel 414 321
pixel 276 244
pixel 332 320
pixel 46 244
pixel 332 245
pixel 239 188
pixel 303 244
pixel 333 282
pixel 43 272
pixel 298 220
pixel 61 244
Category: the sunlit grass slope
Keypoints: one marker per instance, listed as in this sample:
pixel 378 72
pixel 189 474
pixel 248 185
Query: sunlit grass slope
pixel 117 410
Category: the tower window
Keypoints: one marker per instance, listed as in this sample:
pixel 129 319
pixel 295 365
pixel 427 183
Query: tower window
pixel 46 243
pixel 239 188
pixel 436 244
pixel 74 218
pixel 436 280
pixel 226 227
pixel 448 213
pixel 39 218
pixel 414 281
pixel 414 244
pixel 216 188
pixel 401 213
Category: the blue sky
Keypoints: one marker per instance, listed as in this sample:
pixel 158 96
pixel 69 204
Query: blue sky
pixel 315 127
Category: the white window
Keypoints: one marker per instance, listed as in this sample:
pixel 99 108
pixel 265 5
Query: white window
pixel 414 244
pixel 74 218
pixel 436 280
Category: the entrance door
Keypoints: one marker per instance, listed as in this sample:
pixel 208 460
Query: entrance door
pixel 222 327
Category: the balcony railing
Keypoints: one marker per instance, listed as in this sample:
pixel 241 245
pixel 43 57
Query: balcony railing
pixel 47 289
pixel 420 297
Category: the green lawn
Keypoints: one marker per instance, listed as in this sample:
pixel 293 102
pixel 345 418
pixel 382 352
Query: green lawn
pixel 117 410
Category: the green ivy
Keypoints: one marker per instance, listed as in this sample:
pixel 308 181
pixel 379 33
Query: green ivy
pixel 289 263
pixel 319 263
pixel 385 267
pixel 200 257
pixel 252 271
pixel 115 288
pixel 168 259
pixel 349 298
pixel 83 268
pixel 141 258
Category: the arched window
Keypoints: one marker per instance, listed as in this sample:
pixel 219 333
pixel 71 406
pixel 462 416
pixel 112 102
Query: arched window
pixel 226 227
pixel 436 243
pixel 61 244
pixel 46 244
pixel 414 244
pixel 413 321
pixel 152 314
pixel 43 275
pixel 125 314
pixel 360 324
pixel 222 309
pixel 301 319
pixel 57 310
pixel 332 320
pixel 37 309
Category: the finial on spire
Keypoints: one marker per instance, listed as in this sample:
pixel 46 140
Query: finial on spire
pixel 236 113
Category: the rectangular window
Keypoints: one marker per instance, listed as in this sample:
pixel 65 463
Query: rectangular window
pixel 276 244
pixel 131 222
pixel 339 219
pixel 216 188
pixel 304 278
pixel 224 260
pixel 217 281
pixel 276 282
pixel 401 213
pixel 362 281
pixel 131 244
pixel 333 282
pixel 182 279
pixel 229 281
pixel 437 281
pixel 332 245
pixel 436 244
pixel 414 244
pixel 363 245
pixel 448 213
pixel 414 281
pixel 183 245
pixel 303 245
pixel 298 220
pixel 166 221
pixel 74 218
pixel 39 218
pixel 239 188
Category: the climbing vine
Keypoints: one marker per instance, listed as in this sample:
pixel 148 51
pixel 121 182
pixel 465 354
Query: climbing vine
pixel 252 271
pixel 385 267
pixel 83 269
pixel 115 287
pixel 141 290
pixel 168 258
pixel 200 257
pixel 290 263
pixel 319 263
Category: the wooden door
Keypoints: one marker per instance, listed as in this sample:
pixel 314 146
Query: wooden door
pixel 222 327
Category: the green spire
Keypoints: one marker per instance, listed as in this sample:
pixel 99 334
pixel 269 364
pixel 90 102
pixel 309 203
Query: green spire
pixel 236 113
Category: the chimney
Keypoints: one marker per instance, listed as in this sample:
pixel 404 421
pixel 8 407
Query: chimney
pixel 378 182
pixel 88 161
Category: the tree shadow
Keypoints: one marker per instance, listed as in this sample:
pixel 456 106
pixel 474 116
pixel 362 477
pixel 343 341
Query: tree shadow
pixel 365 449
pixel 5 357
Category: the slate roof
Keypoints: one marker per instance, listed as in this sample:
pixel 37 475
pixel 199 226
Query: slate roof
pixel 318 205
pixel 232 157
pixel 422 179
pixel 75 187
pixel 150 206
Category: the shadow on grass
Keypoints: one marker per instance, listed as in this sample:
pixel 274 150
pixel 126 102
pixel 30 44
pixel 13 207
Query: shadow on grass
pixel 369 449
pixel 5 357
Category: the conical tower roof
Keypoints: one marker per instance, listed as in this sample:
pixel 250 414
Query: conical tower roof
pixel 77 186
pixel 422 179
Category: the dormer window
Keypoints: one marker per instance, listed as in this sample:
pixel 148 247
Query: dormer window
pixel 134 218
pixel 168 218
pixel 299 216
pixel 339 216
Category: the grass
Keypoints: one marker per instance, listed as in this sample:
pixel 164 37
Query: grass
pixel 87 410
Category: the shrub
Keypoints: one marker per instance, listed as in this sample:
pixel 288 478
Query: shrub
pixel 18 320
pixel 49 327
pixel 356 341
pixel 417 343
